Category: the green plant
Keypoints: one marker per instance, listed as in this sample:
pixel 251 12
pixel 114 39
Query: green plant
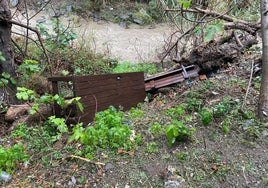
pixel 152 147
pixel 29 67
pixel 21 131
pixel 182 156
pixel 178 131
pixel 5 79
pixel 176 111
pixel 223 107
pixel 135 67
pixel 108 131
pixel 2 58
pixel 193 104
pixel 30 96
pixel 61 35
pixel 135 113
pixel 226 125
pixel 156 129
pixel 59 125
pixel 206 116
pixel 10 157
pixel 142 17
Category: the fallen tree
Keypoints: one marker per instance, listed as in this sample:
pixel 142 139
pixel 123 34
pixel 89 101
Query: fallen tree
pixel 225 44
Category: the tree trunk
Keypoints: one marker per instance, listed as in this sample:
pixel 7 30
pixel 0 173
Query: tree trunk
pixel 7 93
pixel 263 98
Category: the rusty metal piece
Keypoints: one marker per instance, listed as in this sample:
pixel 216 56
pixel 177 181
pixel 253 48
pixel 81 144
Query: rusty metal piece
pixel 169 78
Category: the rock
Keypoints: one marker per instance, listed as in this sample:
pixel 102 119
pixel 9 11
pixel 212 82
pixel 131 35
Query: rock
pixel 13 3
pixel 172 184
pixel 14 112
pixel 138 21
pixel 41 20
pixel 265 133
pixel 124 16
pixel 108 167
pixel 4 176
pixel 123 25
pixel 69 8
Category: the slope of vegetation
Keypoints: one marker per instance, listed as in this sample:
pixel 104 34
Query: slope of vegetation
pixel 199 133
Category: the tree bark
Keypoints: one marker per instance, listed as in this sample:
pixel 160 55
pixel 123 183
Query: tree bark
pixel 7 93
pixel 263 98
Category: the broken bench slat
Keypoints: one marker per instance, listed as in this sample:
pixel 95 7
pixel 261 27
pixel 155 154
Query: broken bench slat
pixel 168 78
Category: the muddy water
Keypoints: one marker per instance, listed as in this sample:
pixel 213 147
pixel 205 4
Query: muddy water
pixel 135 44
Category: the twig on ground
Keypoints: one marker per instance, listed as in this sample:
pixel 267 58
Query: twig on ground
pixel 249 84
pixel 86 160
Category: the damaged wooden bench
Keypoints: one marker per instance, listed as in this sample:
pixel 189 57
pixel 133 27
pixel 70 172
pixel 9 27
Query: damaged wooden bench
pixel 98 92
pixel 124 90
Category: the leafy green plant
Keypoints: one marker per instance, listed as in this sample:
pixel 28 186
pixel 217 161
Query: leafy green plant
pixel 30 96
pixel 212 29
pixel 135 113
pixel 10 157
pixel 223 107
pixel 2 58
pixel 193 104
pixel 226 125
pixel 156 129
pixel 176 111
pixel 60 126
pixel 20 131
pixel 108 131
pixel 152 147
pixel 185 3
pixel 178 131
pixel 61 35
pixel 182 156
pixel 206 116
pixel 142 17
pixel 5 79
pixel 29 67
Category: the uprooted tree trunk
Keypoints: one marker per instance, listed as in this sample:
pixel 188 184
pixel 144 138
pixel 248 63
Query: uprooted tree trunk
pixel 7 92
pixel 217 52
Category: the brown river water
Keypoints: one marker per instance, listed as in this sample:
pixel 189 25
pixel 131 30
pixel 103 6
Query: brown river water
pixel 135 44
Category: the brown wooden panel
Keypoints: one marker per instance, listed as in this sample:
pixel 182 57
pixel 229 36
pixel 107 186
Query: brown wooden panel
pixel 98 92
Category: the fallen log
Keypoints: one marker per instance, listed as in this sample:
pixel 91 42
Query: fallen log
pixel 218 53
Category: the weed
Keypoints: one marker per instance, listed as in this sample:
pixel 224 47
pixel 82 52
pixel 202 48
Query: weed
pixel 152 147
pixel 156 129
pixel 10 157
pixel 177 131
pixel 21 131
pixel 108 132
pixel 61 35
pixel 226 126
pixel 193 104
pixel 136 113
pixel 176 111
pixel 182 156
pixel 206 116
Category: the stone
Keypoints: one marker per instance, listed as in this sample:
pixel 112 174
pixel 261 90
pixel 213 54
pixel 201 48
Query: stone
pixel 172 184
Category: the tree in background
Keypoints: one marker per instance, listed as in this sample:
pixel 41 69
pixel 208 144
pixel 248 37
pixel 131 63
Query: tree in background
pixel 263 98
pixel 7 89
